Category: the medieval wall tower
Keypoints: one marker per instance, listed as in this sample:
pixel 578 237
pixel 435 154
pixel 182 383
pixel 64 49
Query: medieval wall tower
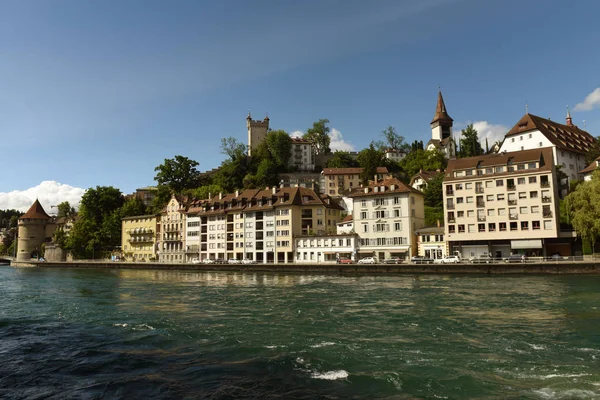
pixel 35 226
pixel 257 132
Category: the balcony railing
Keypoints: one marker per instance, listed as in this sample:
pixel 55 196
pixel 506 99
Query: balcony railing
pixel 450 206
pixel 511 187
pixel 547 214
pixel 546 199
pixel 481 219
pixel 479 190
pixel 451 220
pixel 513 216
pixel 544 184
pixel 480 204
pixel 450 193
pixel 512 202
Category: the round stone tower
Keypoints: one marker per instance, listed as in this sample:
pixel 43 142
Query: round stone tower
pixel 32 232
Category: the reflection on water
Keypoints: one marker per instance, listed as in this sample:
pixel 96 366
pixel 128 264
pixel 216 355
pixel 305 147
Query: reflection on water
pixel 180 334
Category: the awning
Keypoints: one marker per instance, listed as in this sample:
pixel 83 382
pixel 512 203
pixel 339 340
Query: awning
pixel 526 244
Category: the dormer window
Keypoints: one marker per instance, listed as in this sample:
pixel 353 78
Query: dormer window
pixel 382 189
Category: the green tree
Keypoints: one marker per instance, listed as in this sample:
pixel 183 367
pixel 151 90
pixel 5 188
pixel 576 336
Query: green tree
pixel 99 226
pixel 319 136
pixel 342 159
pixel 161 198
pixel 416 145
pixel 433 215
pixel 233 148
pixel 203 191
pixel 279 144
pixel 178 174
pixel 423 160
pixel 583 207
pixel 132 207
pixel 469 143
pixel 65 210
pixel 433 193
pixel 369 159
pixel 392 140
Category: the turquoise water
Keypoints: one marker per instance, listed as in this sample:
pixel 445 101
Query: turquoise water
pixel 166 334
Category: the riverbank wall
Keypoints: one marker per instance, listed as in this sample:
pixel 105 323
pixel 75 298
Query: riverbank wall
pixel 546 268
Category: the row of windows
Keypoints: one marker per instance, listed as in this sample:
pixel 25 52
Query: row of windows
pixel 512 211
pixel 432 238
pixel 502 227
pixel 496 170
pixel 382 227
pixel 384 241
pixel 324 242
pixel 384 202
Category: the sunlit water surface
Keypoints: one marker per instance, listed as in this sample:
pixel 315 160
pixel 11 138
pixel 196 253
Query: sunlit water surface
pixel 166 334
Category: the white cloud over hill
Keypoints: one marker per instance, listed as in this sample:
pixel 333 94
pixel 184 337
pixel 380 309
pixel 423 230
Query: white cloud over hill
pixel 49 193
pixel 590 102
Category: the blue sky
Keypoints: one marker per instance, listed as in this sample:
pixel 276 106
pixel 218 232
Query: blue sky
pixel 101 92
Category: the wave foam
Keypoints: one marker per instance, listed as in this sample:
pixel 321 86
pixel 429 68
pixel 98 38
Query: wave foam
pixel 330 375
pixel 323 344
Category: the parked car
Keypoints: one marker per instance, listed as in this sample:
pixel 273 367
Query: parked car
pixel 344 260
pixel 451 260
pixel 208 261
pixel 515 258
pixel 248 261
pixel 219 261
pixel 234 261
pixel 393 260
pixel 557 257
pixel 195 261
pixel 421 260
pixel 481 259
pixel 368 260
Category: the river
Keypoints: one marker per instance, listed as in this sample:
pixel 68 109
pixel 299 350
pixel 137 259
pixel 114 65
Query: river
pixel 130 334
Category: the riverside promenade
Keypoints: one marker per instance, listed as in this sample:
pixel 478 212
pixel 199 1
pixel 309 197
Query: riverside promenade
pixel 501 268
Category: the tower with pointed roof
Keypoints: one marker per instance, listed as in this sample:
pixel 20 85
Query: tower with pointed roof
pixel 35 228
pixel 441 130
pixel 257 132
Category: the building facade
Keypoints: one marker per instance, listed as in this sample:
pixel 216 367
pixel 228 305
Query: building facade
pixel 303 155
pixel 35 228
pixel 170 232
pixel 138 238
pixel 419 181
pixel 337 181
pixel 431 243
pixel 386 215
pixel 318 249
pixel 502 204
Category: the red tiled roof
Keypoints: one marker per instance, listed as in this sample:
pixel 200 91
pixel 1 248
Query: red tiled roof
pixel 347 218
pixel 398 187
pixel 36 211
pixel 592 167
pixel 350 171
pixel 566 137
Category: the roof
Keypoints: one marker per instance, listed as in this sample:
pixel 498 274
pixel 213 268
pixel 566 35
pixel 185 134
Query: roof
pixel 139 216
pixel 347 218
pixel 440 111
pixel 36 211
pixel 592 167
pixel 299 140
pixel 391 185
pixel 425 175
pixel 543 155
pixel 566 137
pixel 351 171
pixel 431 229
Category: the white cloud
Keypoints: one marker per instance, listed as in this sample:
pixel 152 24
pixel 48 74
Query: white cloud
pixel 297 134
pixel 591 100
pixel 49 193
pixel 485 130
pixel 337 141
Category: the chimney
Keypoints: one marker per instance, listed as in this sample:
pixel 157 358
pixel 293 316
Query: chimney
pixel 438 223
pixel 420 170
pixel 375 178
pixel 220 195
pixel 209 195
pixel 274 189
pixel 438 170
pixel 237 193
pixel 281 185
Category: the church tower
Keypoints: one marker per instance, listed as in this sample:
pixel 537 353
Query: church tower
pixel 257 132
pixel 441 126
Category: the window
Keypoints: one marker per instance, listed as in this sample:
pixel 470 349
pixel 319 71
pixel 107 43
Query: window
pixel 491 212
pixel 363 203
pixel 524 210
pixel 547 225
pixel 522 195
pixel 532 179
pixel 365 228
pixel 489 170
pixel 530 136
pixel 398 226
pixel 470 199
pixel 535 209
pixel 459 200
pixel 524 225
pixel 521 181
pixel 520 167
pixel 499 169
pixel 471 228
pixel 363 215
pixel 461 229
pixel 458 186
pixel 512 140
pixel 499 182
pixel 514 226
pixel 501 211
pixel 535 225
pixel 397 213
pixel 451 229
pixel 521 137
pixel 532 165
pixel 533 194
pixel 470 213
pixel 490 197
pixel 500 196
pixel 468 186
pixel 502 226
pixel 489 184
pixel 492 227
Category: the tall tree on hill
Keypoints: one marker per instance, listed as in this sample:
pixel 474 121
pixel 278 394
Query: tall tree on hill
pixel 178 173
pixel 423 160
pixel 233 148
pixel 583 207
pixel 319 136
pixel 469 143
pixel 369 159
pixel 416 145
pixel 279 145
pixel 392 140
pixel 342 159
pixel 65 210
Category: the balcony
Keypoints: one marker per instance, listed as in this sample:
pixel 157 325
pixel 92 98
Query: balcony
pixel 511 187
pixel 513 216
pixel 192 249
pixel 480 204
pixel 451 220
pixel 512 202
pixel 546 199
pixel 203 229
pixel 545 184
pixel 450 206
pixel 481 219
pixel 450 193
pixel 547 214
pixel 479 190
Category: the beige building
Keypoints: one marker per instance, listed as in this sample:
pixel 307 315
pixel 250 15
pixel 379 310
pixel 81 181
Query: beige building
pixel 431 243
pixel 35 228
pixel 503 204
pixel 386 215
pixel 138 238
pixel 170 231
pixel 336 181
pixel 303 155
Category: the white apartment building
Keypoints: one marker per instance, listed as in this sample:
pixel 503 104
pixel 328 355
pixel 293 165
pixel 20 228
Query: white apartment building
pixel 336 181
pixel 303 155
pixel 346 225
pixel 502 204
pixel 386 215
pixel 569 144
pixel 318 249
pixel 395 155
